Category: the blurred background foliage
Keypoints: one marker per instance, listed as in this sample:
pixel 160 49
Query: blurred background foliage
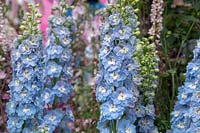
pixel 181 29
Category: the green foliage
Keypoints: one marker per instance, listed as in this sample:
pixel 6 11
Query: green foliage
pixel 181 25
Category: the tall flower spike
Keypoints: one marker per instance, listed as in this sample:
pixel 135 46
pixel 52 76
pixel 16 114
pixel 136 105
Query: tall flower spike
pixel 118 79
pixel 23 108
pixel 148 59
pixel 186 114
pixel 58 72
pixel 157 8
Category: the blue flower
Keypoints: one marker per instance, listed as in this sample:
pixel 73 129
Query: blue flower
pixel 124 50
pixel 105 28
pixel 139 110
pixel 184 95
pixel 107 40
pixel 53 117
pixel 15 55
pixel 47 96
pixel 62 32
pixel 109 111
pixel 181 124
pixel 69 115
pixel 104 51
pixel 54 51
pixel 15 124
pixel 111 62
pixel 146 124
pixel 196 98
pixel 115 76
pixel 123 97
pixel 126 126
pixel 62 89
pixel 122 32
pixel 66 56
pixel 104 130
pixel 26 111
pixel 150 110
pixel 68 71
pixel 51 39
pixel 25 74
pixel 65 41
pixel 102 92
pixel 24 48
pixel 11 107
pixel 30 60
pixel 57 21
pixel 34 41
pixel 194 113
pixel 24 96
pixel 53 69
pixel 114 19
pixel 16 85
pixel 44 128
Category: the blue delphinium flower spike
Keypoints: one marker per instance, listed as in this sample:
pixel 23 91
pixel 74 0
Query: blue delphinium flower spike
pixel 26 84
pixel 117 87
pixel 58 73
pixel 186 114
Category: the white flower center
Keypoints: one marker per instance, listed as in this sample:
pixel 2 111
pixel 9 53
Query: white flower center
pixel 17 82
pixel 53 69
pixel 112 108
pixel 24 94
pixel 195 68
pixel 176 114
pixel 62 89
pixel 128 130
pixel 129 67
pixel 102 90
pixel 52 118
pixel 26 73
pixel 192 86
pixel 26 110
pixel 33 86
pixel 114 75
pixel 105 50
pixel 107 38
pixel 46 96
pixel 181 125
pixel 112 61
pixel 184 95
pixel 121 97
pixel 123 50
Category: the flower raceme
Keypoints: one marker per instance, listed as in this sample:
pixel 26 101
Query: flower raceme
pixel 116 82
pixel 23 109
pixel 186 114
pixel 58 73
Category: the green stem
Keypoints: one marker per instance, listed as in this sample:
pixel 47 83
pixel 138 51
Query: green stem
pixel 179 52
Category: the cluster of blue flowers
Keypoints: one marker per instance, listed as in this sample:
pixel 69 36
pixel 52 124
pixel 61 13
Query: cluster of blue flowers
pixel 117 79
pixel 26 84
pixel 58 73
pixel 24 107
pixel 186 114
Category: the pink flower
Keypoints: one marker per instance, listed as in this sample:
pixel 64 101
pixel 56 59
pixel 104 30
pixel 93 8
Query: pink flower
pixel 2 74
pixel 78 11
